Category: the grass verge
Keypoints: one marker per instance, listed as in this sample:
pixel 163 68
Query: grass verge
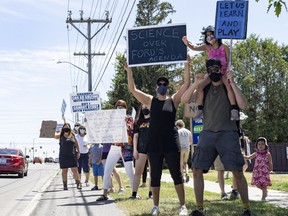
pixel 169 202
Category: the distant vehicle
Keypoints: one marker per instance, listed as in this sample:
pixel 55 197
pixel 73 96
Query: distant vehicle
pixel 13 161
pixel 49 160
pixel 37 160
pixel 56 160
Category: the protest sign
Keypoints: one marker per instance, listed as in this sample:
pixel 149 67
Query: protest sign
pixel 231 19
pixel 151 45
pixel 106 126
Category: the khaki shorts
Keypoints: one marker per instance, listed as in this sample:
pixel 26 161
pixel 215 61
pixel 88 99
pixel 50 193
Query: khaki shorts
pixel 218 165
pixel 184 155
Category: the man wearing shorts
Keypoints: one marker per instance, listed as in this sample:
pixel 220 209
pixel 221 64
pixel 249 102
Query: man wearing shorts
pixel 185 138
pixel 219 136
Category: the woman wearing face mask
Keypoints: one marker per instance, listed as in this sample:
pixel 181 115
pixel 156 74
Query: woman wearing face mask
pixel 84 157
pixel 67 154
pixel 163 136
pixel 117 151
pixel 141 129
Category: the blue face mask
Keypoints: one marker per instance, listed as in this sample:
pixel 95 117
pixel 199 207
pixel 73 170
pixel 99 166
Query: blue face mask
pixel 162 90
pixel 82 131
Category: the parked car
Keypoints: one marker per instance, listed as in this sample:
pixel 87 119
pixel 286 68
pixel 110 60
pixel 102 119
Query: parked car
pixel 37 160
pixel 56 160
pixel 13 161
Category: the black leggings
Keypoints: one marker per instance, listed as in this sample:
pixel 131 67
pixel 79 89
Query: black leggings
pixel 144 174
pixel 173 161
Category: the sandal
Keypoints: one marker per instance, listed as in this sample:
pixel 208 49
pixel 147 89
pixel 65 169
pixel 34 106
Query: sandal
pixel 102 198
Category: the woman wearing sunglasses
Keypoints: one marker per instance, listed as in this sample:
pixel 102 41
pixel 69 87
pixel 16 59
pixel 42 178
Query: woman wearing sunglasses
pixel 163 140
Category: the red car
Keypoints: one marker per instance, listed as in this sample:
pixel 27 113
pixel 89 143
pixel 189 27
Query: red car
pixel 13 161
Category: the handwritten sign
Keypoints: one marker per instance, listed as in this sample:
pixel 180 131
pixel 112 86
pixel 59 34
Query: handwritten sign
pixel 231 19
pixel 106 126
pixel 85 102
pixel 48 129
pixel 151 45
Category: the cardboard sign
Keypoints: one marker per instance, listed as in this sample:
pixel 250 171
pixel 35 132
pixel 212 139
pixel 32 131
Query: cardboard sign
pixel 48 129
pixel 190 108
pixel 151 45
pixel 106 126
pixel 231 19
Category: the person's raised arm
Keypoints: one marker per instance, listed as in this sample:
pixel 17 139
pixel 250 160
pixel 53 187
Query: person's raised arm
pixel 177 96
pixel 139 95
pixel 192 47
pixel 190 92
pixel 239 96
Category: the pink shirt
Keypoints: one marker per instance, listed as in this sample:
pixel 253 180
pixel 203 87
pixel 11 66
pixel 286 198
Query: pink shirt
pixel 220 54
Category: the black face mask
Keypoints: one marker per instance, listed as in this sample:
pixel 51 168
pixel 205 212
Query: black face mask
pixel 215 77
pixel 66 130
pixel 145 111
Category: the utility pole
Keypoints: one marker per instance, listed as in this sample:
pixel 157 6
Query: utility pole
pixel 89 38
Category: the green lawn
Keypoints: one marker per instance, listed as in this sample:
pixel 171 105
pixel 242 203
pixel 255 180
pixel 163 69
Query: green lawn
pixel 213 205
pixel 279 181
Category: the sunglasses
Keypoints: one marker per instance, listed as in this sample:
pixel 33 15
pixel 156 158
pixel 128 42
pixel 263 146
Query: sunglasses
pixel 213 69
pixel 164 84
pixel 66 130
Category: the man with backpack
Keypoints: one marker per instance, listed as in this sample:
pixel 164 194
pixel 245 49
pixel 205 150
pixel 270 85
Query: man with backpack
pixel 219 135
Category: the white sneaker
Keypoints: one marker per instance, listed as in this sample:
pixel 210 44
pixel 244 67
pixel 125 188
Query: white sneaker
pixel 183 211
pixel 121 191
pixel 155 210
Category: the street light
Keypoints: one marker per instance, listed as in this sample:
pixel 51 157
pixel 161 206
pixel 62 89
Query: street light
pixel 66 62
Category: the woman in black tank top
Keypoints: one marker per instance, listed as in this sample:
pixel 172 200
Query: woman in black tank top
pixel 163 137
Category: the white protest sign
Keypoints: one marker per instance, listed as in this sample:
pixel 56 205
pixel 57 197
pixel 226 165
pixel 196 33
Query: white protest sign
pixel 85 101
pixel 106 126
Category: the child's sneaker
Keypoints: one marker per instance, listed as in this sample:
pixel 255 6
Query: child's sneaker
pixel 234 115
pixel 155 210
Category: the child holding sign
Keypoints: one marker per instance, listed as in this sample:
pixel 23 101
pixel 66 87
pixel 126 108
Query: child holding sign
pixel 214 49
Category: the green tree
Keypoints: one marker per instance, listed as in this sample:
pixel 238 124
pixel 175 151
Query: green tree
pixel 277 4
pixel 260 67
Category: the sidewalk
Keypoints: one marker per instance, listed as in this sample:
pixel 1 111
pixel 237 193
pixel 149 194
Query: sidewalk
pixel 73 202
pixel 278 198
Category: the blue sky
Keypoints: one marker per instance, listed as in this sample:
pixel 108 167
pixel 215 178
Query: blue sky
pixel 34 37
